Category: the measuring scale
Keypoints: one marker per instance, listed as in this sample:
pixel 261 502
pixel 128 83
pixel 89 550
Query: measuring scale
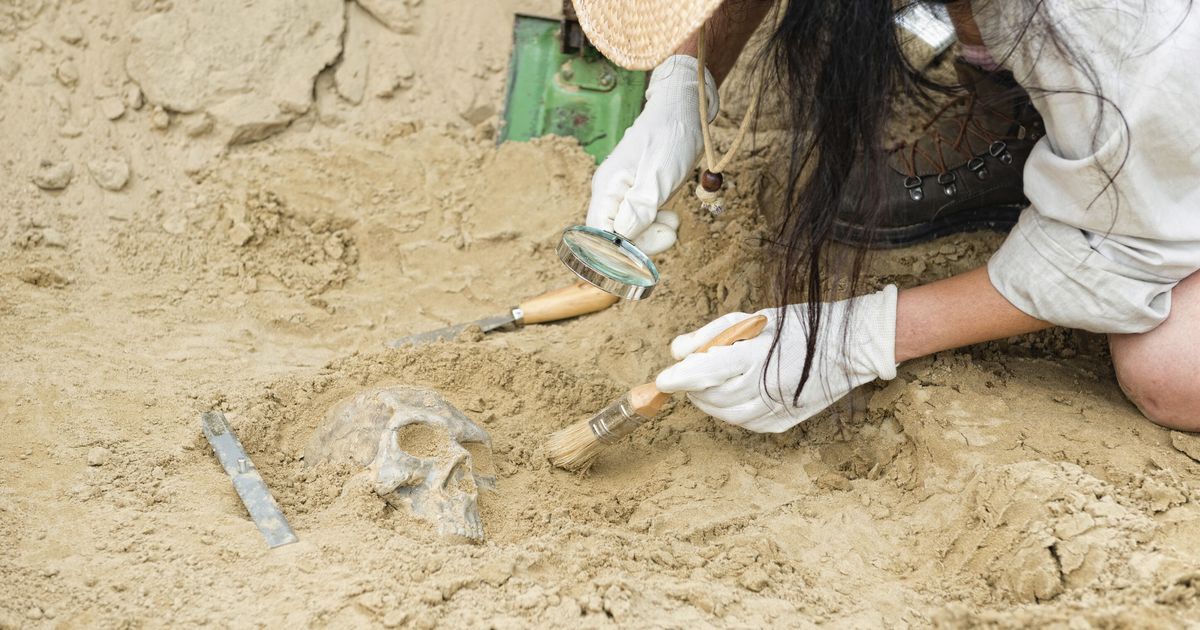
pixel 608 261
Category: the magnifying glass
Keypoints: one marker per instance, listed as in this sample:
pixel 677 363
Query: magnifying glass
pixel 608 261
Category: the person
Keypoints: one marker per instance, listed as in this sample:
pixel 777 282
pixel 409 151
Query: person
pixel 1109 243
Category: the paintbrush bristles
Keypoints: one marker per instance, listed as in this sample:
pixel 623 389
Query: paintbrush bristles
pixel 575 447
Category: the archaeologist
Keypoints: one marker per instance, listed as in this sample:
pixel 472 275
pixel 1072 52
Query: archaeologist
pixel 1110 241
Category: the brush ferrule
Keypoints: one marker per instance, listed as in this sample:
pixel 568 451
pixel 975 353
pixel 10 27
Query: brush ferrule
pixel 619 422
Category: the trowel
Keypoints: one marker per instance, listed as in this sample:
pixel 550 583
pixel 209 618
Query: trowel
pixel 558 84
pixel 566 302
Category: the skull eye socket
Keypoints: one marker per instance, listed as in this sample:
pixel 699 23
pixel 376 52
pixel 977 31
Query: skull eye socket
pixel 421 440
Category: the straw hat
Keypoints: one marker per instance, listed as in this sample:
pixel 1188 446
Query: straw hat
pixel 640 34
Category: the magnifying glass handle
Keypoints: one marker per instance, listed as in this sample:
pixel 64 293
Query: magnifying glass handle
pixel 570 301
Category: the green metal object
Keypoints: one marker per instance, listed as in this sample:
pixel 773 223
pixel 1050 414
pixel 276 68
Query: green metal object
pixel 578 94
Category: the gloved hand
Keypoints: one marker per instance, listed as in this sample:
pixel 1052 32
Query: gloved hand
pixel 726 382
pixel 653 158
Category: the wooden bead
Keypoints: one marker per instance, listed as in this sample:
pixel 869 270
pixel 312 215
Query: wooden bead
pixel 710 181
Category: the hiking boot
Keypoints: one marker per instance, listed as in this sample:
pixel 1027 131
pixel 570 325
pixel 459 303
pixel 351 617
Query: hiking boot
pixel 963 174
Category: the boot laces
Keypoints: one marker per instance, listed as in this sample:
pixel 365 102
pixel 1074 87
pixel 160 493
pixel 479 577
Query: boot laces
pixel 960 131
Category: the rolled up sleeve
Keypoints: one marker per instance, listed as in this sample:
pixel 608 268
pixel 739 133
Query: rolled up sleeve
pixel 1052 271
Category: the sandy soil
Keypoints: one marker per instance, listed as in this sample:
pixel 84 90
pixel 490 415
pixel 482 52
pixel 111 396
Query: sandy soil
pixel 220 206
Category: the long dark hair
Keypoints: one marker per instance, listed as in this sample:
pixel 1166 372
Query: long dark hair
pixel 841 64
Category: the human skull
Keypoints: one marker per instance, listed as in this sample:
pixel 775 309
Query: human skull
pixel 421 454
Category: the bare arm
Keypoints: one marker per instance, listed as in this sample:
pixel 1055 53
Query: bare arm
pixel 726 34
pixel 956 312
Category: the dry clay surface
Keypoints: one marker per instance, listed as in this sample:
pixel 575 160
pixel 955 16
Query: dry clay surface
pixel 234 205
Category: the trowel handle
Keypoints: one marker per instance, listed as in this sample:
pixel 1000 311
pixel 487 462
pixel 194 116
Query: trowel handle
pixel 577 299
pixel 646 400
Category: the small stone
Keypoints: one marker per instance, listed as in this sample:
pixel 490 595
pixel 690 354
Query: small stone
pixel 53 238
pixel 67 73
pixel 175 224
pixel 110 174
pixel 754 579
pixel 53 175
pixel 834 481
pixel 34 612
pixel 160 119
pixel 70 130
pixel 334 247
pixel 240 234
pixel 395 618
pixel 133 97
pixel 71 33
pixel 97 456
pixel 112 107
pixel 196 125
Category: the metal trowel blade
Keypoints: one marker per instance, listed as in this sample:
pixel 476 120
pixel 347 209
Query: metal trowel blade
pixel 450 333
pixel 246 481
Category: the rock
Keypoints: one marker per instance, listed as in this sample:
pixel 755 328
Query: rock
pixel 9 66
pixel 53 175
pixel 110 173
pixel 97 456
pixel 71 33
pixel 247 119
pixel 112 107
pixel 67 73
pixel 132 97
pixel 754 579
pixel 198 124
pixel 160 119
pixel 396 618
pixel 250 65
pixel 175 224
pixel 240 233
pixel 834 481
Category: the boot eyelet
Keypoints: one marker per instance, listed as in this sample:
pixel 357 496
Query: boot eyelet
pixel 949 188
pixel 999 150
pixel 913 184
pixel 978 166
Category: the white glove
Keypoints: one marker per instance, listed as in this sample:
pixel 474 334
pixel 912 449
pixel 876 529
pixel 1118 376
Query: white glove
pixel 726 382
pixel 653 158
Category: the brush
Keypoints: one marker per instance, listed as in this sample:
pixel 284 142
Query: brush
pixel 577 446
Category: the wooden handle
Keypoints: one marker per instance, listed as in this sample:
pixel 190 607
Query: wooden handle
pixel 646 400
pixel 748 328
pixel 577 299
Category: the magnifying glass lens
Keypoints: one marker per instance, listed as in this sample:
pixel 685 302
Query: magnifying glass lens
pixel 608 261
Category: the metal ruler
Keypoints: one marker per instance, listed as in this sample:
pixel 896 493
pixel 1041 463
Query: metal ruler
pixel 246 480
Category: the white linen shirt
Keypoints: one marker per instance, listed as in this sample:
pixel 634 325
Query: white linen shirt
pixel 1087 254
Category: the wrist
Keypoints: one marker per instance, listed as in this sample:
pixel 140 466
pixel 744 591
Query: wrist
pixel 678 73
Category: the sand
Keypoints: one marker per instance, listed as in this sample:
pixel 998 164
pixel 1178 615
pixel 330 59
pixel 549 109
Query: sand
pixel 171 244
